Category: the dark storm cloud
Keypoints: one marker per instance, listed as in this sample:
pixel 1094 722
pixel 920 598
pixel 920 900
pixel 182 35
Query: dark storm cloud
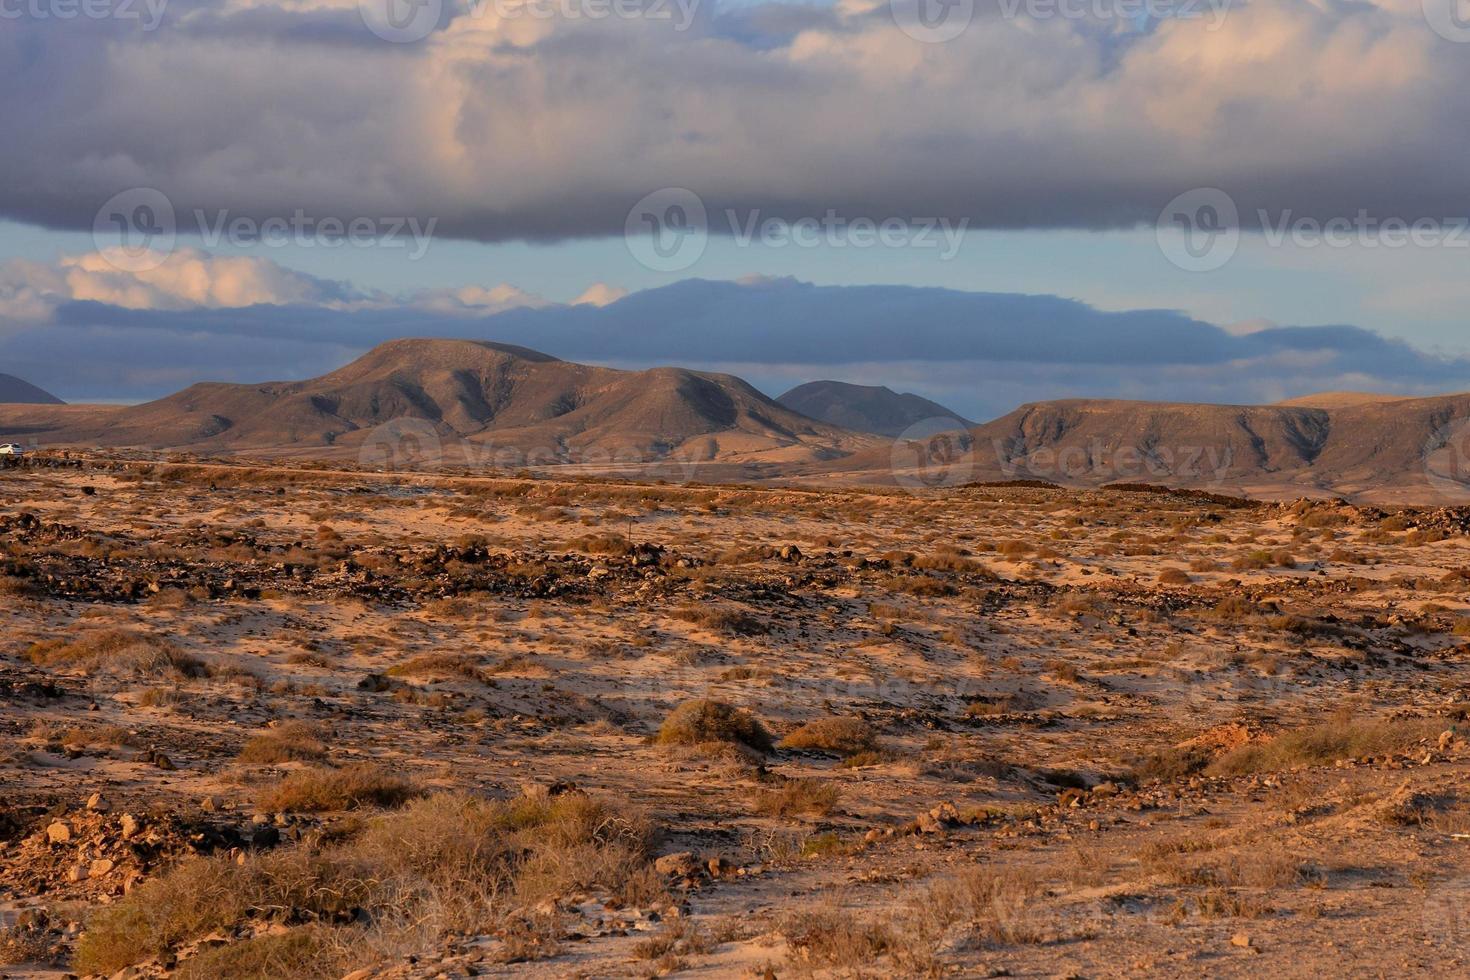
pixel 506 128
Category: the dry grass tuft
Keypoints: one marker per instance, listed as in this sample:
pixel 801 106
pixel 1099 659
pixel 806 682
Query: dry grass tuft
pixel 318 790
pixel 798 797
pixel 443 864
pixel 698 722
pixel 119 652
pixel 291 741
pixel 1326 742
pixel 844 736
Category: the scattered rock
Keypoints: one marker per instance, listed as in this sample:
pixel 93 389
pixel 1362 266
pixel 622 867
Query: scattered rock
pixel 97 803
pixel 682 864
pixel 58 832
pixel 129 825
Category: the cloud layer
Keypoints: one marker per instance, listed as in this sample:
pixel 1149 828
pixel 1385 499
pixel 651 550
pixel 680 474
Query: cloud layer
pixel 86 332
pixel 505 126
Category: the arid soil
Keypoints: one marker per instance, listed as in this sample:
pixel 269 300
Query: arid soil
pixel 271 721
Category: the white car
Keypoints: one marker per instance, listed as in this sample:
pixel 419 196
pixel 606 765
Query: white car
pixel 11 449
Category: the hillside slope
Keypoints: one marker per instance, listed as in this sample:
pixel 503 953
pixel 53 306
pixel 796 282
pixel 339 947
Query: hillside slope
pixel 864 408
pixel 480 397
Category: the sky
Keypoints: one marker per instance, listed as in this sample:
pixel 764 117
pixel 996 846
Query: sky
pixel 194 178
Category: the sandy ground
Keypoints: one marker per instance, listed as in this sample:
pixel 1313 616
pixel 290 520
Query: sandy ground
pixel 1015 650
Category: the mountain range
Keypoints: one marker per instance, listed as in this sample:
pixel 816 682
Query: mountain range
pixel 484 398
pixel 515 406
pixel 18 391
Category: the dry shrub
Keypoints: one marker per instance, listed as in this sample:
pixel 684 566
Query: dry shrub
pixel 722 619
pixel 443 864
pixel 1341 737
pixel 307 953
pixel 844 736
pixel 836 938
pixel 291 741
pixel 83 735
pixel 798 797
pixel 990 905
pixel 439 665
pixel 698 722
pixel 1170 763
pixel 119 652
pixel 319 790
pixel 1174 576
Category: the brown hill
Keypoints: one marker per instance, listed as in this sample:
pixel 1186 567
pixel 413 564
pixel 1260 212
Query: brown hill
pixel 1340 399
pixel 19 391
pixel 1414 449
pixel 476 397
pixel 864 408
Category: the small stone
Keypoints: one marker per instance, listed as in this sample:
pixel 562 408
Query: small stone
pixel 100 867
pixel 97 803
pixel 58 833
pixel 209 804
pixel 129 825
pixel 1445 738
pixel 1240 939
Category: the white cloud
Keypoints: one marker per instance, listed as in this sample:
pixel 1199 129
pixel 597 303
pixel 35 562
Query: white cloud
pixel 600 294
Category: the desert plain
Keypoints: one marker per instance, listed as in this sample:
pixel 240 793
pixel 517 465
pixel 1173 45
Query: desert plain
pixel 268 719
